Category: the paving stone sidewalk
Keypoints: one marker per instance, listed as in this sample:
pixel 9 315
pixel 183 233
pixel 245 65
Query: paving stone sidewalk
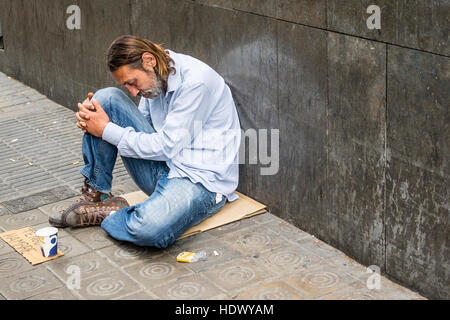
pixel 262 257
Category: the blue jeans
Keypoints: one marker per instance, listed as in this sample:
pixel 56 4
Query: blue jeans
pixel 173 205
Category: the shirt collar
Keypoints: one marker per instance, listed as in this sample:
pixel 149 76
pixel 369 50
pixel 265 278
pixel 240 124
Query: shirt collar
pixel 174 80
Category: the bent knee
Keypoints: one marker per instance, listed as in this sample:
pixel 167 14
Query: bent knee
pixel 108 92
pixel 152 235
pixel 105 95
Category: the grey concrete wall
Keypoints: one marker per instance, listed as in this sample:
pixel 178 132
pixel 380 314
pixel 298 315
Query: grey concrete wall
pixel 363 114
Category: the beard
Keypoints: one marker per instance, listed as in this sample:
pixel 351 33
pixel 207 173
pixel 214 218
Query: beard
pixel 157 88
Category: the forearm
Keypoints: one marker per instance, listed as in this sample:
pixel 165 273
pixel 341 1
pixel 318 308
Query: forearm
pixel 134 144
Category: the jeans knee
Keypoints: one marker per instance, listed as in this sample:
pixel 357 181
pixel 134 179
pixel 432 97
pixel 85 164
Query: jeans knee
pixel 105 95
pixel 152 235
pixel 108 92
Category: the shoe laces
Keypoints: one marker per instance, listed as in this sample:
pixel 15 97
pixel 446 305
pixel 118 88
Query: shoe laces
pixel 95 214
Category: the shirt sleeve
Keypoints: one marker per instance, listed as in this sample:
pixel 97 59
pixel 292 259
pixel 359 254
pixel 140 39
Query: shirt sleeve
pixel 191 109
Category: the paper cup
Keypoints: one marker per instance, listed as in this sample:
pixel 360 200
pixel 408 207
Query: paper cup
pixel 48 239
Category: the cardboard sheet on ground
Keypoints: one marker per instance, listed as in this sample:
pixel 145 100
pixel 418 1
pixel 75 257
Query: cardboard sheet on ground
pixel 244 207
pixel 25 242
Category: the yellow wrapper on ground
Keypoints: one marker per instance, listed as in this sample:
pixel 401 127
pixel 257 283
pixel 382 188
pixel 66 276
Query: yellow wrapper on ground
pixel 186 256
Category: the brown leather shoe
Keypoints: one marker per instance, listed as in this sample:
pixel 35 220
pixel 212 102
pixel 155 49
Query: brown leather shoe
pixel 82 214
pixel 88 195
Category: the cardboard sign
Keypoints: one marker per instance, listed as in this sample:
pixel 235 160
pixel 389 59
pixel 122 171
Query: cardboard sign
pixel 25 242
pixel 244 207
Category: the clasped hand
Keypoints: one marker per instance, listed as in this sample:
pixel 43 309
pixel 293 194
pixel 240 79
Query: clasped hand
pixel 91 118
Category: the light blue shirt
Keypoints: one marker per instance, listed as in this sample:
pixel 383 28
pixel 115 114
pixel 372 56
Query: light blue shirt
pixel 197 128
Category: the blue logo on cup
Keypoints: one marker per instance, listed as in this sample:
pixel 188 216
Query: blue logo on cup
pixel 48 239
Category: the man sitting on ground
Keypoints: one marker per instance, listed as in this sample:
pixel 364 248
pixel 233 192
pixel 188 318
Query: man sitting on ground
pixel 180 145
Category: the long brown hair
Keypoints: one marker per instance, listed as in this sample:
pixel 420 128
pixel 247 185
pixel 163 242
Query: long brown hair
pixel 128 50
